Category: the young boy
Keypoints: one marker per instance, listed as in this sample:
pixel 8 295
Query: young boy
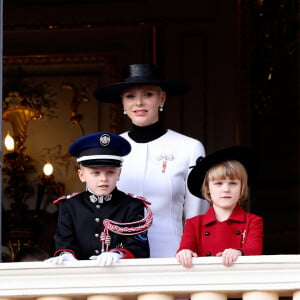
pixel 226 230
pixel 89 223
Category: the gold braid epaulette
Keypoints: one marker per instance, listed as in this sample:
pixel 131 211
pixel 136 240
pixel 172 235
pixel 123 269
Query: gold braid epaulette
pixel 123 228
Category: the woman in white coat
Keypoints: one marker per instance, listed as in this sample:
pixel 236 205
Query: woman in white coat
pixel 160 160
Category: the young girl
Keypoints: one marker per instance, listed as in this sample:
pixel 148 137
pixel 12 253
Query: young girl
pixel 226 230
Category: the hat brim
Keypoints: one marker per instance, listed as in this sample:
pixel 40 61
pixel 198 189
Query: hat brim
pixel 93 163
pixel 112 93
pixel 245 155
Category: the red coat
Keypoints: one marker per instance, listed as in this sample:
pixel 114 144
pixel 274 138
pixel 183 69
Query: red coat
pixel 206 236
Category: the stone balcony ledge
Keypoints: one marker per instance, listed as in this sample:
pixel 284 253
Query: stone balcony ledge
pixel 132 277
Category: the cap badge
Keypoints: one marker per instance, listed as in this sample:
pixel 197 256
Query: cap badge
pixel 104 139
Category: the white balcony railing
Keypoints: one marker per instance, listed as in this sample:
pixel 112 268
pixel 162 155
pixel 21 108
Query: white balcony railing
pixel 251 277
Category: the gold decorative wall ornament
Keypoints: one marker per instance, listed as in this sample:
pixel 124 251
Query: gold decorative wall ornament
pixel 19 117
pixel 23 101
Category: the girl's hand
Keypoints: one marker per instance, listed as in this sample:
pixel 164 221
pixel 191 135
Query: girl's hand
pixel 184 257
pixel 229 256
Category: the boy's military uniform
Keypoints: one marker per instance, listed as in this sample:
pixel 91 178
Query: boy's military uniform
pixel 88 224
pixel 80 224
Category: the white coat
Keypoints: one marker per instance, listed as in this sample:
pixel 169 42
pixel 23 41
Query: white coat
pixel 158 171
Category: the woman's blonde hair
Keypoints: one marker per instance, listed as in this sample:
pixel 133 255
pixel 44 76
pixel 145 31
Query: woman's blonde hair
pixel 231 169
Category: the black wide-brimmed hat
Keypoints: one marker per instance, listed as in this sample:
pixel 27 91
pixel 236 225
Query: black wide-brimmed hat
pixel 100 149
pixel 137 75
pixel 245 155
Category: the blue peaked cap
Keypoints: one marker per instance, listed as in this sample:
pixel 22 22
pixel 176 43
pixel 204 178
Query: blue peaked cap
pixel 100 149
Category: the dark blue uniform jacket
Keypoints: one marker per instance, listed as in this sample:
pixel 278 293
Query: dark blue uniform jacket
pixel 80 223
